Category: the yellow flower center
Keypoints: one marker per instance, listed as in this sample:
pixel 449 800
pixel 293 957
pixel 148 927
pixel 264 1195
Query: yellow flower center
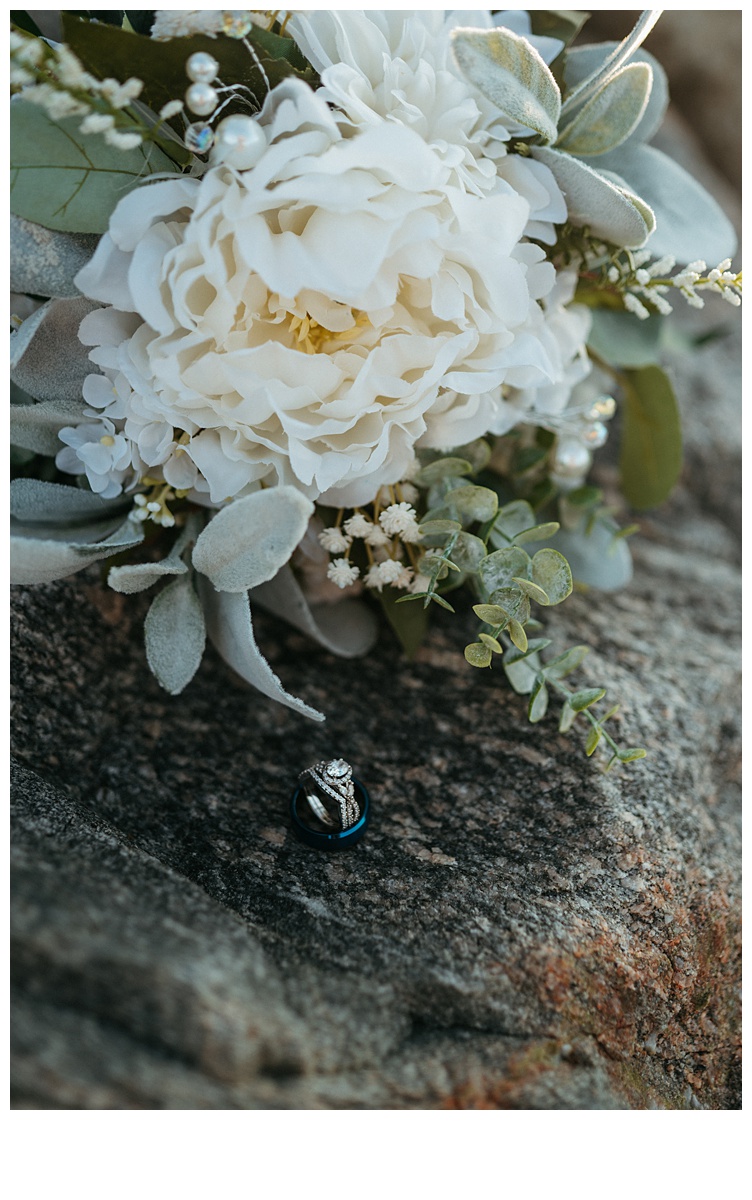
pixel 313 338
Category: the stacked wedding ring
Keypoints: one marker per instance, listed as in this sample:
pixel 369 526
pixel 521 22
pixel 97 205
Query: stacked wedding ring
pixel 329 807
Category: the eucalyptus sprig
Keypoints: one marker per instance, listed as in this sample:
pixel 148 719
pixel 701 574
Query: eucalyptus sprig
pixel 467 532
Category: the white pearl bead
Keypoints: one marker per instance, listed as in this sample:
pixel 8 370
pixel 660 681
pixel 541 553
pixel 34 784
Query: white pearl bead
pixel 238 142
pixel 571 459
pixel 201 99
pixel 201 67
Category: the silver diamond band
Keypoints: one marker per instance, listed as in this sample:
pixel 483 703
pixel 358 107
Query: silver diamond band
pixel 331 781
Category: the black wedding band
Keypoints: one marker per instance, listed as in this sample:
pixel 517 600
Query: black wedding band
pixel 339 840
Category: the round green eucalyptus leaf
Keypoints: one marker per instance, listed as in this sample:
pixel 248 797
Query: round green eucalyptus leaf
pixel 550 571
pixel 478 655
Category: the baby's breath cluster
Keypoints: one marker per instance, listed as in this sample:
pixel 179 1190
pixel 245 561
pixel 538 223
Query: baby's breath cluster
pixel 54 78
pixel 388 534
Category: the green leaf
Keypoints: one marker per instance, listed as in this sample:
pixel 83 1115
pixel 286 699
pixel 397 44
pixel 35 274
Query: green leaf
pixel 632 754
pixel 431 528
pixel 492 614
pixel 468 552
pixel 175 635
pixel 515 603
pixel 442 468
pixel 537 533
pixel 608 118
pixel 66 180
pixel 510 72
pixel 623 340
pixel 561 23
pixel 538 705
pixel 560 666
pixel 107 51
pixel 566 719
pixel 498 570
pixel 586 496
pixel 478 655
pixel 437 599
pixel 651 445
pixel 472 503
pixel 517 634
pixel 409 621
pixel 523 673
pixel 491 642
pixel 579 701
pixel 533 590
pixel 511 520
pixel 550 571
pixel 512 656
pixel 593 739
pixel 527 458
pixel 477 453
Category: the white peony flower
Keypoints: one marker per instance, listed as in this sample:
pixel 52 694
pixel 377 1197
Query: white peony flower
pixel 398 66
pixel 311 320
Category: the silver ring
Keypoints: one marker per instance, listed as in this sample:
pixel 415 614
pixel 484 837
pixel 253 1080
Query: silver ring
pixel 327 783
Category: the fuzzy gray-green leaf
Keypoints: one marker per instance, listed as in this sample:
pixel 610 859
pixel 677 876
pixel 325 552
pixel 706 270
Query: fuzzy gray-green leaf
pixel 175 635
pixel 510 72
pixel 596 201
pixel 247 542
pixel 608 119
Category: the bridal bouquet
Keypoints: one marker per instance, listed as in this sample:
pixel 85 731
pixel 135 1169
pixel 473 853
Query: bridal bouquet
pixel 326 312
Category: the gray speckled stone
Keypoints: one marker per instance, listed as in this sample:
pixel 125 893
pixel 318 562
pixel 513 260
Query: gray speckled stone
pixel 516 929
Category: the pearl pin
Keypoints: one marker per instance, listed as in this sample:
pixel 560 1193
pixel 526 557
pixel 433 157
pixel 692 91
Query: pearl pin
pixel 239 142
pixel 201 99
pixel 201 67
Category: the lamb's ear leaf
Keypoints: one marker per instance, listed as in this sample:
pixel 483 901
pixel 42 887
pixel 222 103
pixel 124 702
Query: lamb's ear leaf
pixel 246 543
pixel 596 201
pixel 37 500
pixel 37 427
pixel 348 628
pixel 42 559
pixel 510 73
pixel 582 61
pixel 608 119
pixel 137 577
pixel 229 626
pixel 175 635
pixel 43 262
pixel 47 359
pixel 690 224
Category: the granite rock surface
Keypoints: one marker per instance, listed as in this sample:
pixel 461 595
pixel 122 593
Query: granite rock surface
pixel 517 929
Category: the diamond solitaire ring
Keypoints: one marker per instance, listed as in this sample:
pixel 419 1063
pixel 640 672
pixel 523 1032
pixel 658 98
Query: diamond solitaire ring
pixel 329 807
